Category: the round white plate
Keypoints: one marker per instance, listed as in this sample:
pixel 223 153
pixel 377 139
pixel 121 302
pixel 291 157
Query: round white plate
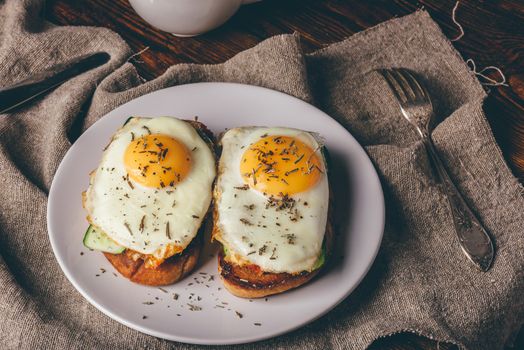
pixel 359 221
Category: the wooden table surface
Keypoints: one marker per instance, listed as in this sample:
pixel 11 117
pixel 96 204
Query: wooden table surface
pixel 494 36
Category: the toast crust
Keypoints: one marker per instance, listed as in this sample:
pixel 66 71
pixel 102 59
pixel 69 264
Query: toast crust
pixel 170 271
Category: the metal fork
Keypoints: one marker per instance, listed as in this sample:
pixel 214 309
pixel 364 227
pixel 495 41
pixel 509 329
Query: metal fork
pixel 415 105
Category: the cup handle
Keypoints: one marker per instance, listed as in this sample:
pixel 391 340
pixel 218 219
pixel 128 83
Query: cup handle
pixel 246 2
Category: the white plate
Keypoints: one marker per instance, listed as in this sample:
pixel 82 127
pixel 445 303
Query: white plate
pixel 359 216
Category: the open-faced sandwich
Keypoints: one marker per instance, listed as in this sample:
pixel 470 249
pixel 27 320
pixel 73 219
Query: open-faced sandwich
pixel 271 210
pixel 148 198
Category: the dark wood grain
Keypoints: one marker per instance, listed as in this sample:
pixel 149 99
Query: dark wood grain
pixel 494 36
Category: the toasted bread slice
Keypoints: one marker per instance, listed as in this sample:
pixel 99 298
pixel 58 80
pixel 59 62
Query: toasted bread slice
pixel 247 280
pixel 176 267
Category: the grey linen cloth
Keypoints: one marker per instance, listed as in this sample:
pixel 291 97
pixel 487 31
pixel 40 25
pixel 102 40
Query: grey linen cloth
pixel 421 282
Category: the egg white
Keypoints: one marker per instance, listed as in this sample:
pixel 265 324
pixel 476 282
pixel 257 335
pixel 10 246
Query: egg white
pixel 117 209
pixel 246 225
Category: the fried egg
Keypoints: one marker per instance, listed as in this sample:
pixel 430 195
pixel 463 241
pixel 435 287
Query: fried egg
pixel 153 186
pixel 272 198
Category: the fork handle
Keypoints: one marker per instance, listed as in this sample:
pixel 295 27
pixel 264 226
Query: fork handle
pixel 473 238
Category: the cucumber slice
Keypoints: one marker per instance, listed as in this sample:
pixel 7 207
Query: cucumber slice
pixel 321 259
pixel 98 240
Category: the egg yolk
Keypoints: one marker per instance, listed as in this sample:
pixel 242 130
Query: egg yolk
pixel 280 165
pixel 157 161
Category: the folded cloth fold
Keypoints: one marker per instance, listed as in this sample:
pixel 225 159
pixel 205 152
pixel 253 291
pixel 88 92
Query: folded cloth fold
pixel 421 282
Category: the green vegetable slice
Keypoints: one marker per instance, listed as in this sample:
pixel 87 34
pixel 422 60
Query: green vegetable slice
pixel 98 240
pixel 321 259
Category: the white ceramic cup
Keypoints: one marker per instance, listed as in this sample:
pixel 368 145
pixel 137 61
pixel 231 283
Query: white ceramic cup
pixel 187 17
